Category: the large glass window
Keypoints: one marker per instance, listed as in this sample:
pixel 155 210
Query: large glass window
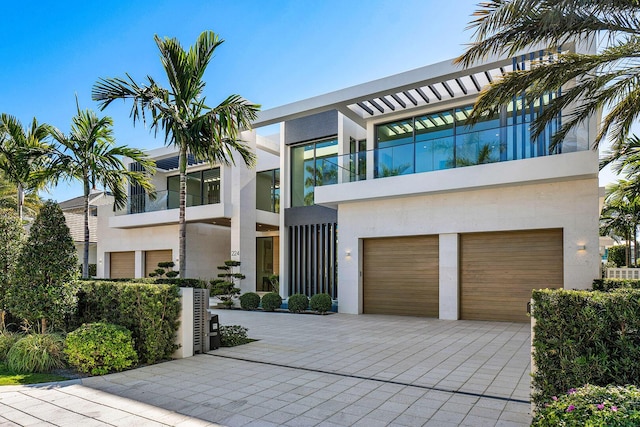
pixel 312 165
pixel 268 190
pixel 444 140
pixel 203 188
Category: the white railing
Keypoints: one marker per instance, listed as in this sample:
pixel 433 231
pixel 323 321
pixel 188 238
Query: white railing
pixel 623 273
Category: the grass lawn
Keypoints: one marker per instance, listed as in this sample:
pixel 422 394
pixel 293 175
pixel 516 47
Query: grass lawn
pixel 9 378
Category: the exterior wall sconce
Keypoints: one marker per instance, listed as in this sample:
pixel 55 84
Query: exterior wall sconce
pixel 582 247
pixel 347 252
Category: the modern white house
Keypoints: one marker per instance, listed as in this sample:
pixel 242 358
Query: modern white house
pixel 387 200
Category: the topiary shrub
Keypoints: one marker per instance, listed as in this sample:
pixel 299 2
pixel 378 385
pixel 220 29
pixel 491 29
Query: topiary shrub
pixel 44 287
pixel 100 348
pixel 7 340
pixel 592 406
pixel 233 335
pixel 320 303
pixel 617 255
pixel 249 301
pixel 298 303
pixel 36 353
pixel 271 301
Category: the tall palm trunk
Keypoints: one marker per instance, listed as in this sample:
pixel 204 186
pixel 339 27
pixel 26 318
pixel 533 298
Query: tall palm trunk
pixel 85 248
pixel 182 220
pixel 20 200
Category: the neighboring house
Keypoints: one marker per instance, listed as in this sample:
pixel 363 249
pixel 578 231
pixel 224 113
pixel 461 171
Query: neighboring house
pixel 73 210
pixel 232 213
pixel 392 204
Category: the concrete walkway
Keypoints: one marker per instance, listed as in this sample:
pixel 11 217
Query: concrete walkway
pixel 335 370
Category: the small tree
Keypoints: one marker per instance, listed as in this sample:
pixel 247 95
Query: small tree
pixel 165 269
pixel 225 288
pixel 11 240
pixel 44 286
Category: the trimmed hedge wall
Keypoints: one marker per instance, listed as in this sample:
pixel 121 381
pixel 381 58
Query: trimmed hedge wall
pixel 606 285
pixel 584 337
pixel 183 283
pixel 150 312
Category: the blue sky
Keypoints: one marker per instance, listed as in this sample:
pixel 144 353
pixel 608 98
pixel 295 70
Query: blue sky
pixel 275 51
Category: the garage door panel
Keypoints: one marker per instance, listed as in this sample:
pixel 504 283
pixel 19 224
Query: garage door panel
pixel 401 276
pixel 499 270
pixel 122 265
pixel 152 258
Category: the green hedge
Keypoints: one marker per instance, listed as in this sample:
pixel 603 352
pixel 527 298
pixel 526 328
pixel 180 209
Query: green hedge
pixel 584 337
pixel 183 283
pixel 150 312
pixel 606 285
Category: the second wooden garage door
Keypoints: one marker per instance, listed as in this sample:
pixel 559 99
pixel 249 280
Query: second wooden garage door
pixel 122 265
pixel 499 270
pixel 400 276
pixel 152 258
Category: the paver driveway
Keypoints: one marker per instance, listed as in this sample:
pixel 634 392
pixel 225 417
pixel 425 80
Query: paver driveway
pixel 340 370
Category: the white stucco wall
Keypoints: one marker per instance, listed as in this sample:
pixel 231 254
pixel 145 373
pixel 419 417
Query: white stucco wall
pixel 570 205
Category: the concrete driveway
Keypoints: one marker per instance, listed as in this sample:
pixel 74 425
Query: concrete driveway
pixel 311 370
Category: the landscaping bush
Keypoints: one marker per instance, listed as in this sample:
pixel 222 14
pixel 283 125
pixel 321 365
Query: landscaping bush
pixel 617 255
pixel 249 301
pixel 606 285
pixel 320 303
pixel 233 335
pixel 298 303
pixel 584 337
pixel 183 283
pixel 271 301
pixel 592 406
pixel 100 348
pixel 7 340
pixel 150 312
pixel 36 353
pixel 12 237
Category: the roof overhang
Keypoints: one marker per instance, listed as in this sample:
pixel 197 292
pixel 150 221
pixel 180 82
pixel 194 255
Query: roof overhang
pixel 425 86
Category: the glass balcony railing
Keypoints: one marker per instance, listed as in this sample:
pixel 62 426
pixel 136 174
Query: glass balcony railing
pixel 464 149
pixel 163 200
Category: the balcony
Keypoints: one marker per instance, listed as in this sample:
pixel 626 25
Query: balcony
pixel 493 145
pixel 163 200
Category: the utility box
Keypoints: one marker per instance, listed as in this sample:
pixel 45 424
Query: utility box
pixel 214 332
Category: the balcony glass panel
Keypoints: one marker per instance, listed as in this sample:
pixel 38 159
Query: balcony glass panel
pixel 313 164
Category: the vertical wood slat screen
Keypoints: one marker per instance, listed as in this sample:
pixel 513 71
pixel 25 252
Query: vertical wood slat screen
pixel 312 259
pixel 136 192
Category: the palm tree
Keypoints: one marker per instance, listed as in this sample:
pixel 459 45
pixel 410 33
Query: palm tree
pixel 607 79
pixel 209 134
pixel 9 199
pixel 620 217
pixel 23 151
pixel 88 154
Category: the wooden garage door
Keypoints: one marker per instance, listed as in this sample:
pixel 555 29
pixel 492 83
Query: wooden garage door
pixel 152 258
pixel 400 276
pixel 122 265
pixel 499 270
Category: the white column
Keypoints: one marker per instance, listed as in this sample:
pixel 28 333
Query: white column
pixel 285 203
pixel 243 219
pixel 449 276
pixel 184 336
pixel 139 264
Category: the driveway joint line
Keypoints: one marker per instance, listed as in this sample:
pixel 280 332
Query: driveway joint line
pixel 320 371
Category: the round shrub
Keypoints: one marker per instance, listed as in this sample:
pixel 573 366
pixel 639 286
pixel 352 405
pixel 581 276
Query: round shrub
pixel 100 348
pixel 320 303
pixel 233 335
pixel 36 353
pixel 7 340
pixel 298 303
pixel 249 301
pixel 271 301
pixel 592 406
